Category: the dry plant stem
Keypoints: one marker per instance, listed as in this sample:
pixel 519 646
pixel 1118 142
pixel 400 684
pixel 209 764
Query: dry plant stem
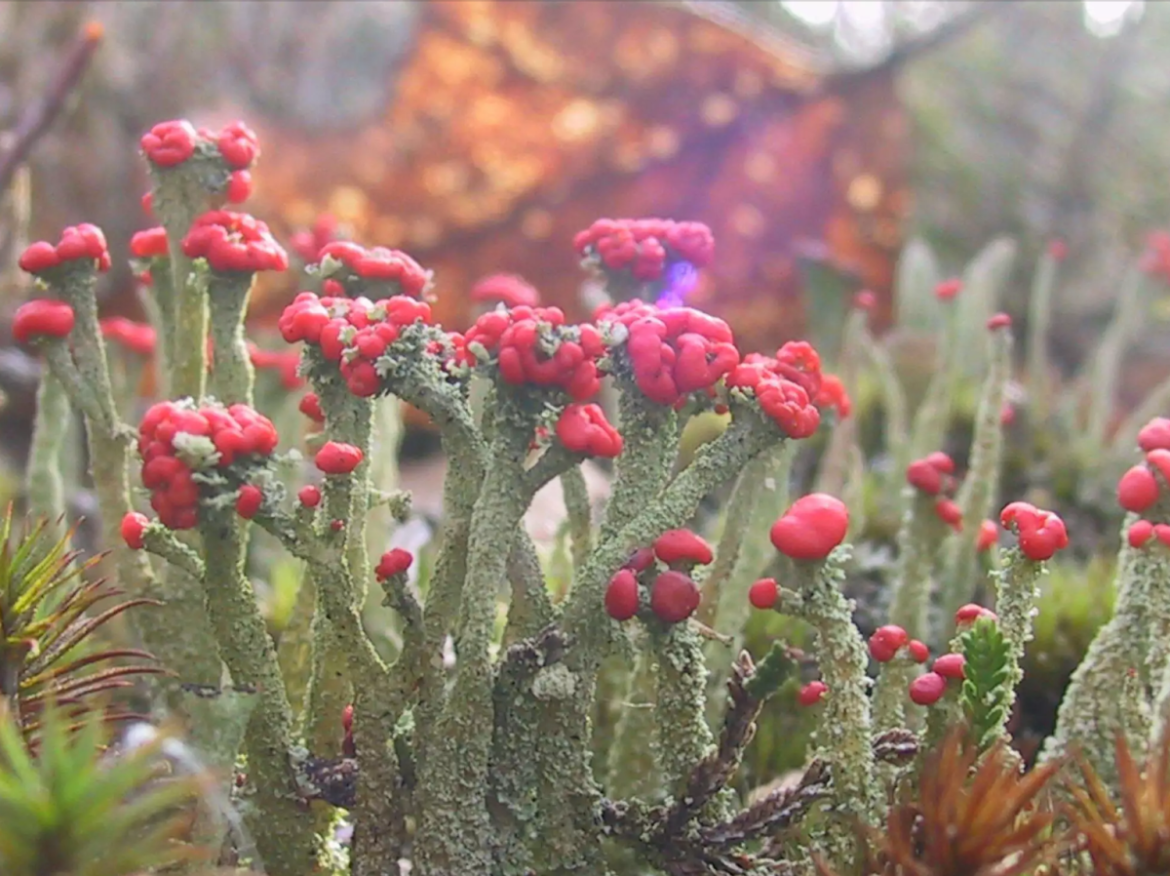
pixel 178 632
pixel 1105 696
pixel 280 823
pixel 1039 327
pixel 232 375
pixel 36 121
pixel 580 514
pixel 771 470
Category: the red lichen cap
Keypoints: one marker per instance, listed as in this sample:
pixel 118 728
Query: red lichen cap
pixel 951 666
pixel 393 562
pixel 927 689
pixel 674 597
pixel 42 318
pixel 812 693
pixel 682 546
pixel 584 429
pixel 133 527
pixel 764 593
pixel 621 595
pixel 78 243
pixel 234 242
pixel 169 144
pixel 1155 435
pixel 811 527
pixel 1041 533
pixel 1137 489
pixel 335 458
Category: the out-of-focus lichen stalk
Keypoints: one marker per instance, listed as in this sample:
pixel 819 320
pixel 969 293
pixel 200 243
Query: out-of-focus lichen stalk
pixel 177 632
pixel 1106 695
pixel 179 195
pixel 580 514
pixel 45 487
pixel 897 417
pixel 1039 327
pixel 844 733
pixel 725 604
pixel 919 541
pixel 976 497
pixel 933 417
pixel 232 375
pixel 632 768
pixel 1154 405
pixel 889 696
pixel 835 463
pixel 1105 369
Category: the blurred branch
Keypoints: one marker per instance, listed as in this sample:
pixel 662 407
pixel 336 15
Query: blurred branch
pixel 953 28
pixel 40 116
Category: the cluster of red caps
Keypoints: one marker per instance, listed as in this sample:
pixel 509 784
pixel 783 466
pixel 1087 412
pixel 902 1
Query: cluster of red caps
pixel 933 475
pixel 785 386
pixel 929 687
pixel 82 242
pixel 237 433
pixel 534 347
pixel 886 643
pixel 673 351
pixel 170 144
pixel 674 595
pixel 234 243
pixel 645 247
pixel 374 264
pixel 353 332
pixel 1041 533
pixel 1139 489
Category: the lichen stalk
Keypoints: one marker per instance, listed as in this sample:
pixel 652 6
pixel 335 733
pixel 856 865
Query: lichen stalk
pixel 683 735
pixel 281 825
pixel 44 486
pixel 232 376
pixel 919 541
pixel 632 770
pixel 737 518
pixel 1039 328
pixel 772 471
pixel 976 497
pixel 177 632
pixel 651 435
pixel 454 829
pixel 1109 355
pixel 1015 604
pixel 580 514
pixel 844 733
pixel 179 195
pixel 1106 695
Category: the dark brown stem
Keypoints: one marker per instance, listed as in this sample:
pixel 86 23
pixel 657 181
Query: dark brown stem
pixel 39 117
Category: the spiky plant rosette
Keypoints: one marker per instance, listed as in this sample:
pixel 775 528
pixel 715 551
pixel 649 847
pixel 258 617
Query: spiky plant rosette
pixel 74 808
pixel 48 625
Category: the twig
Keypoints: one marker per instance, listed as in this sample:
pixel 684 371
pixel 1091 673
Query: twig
pixel 41 115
